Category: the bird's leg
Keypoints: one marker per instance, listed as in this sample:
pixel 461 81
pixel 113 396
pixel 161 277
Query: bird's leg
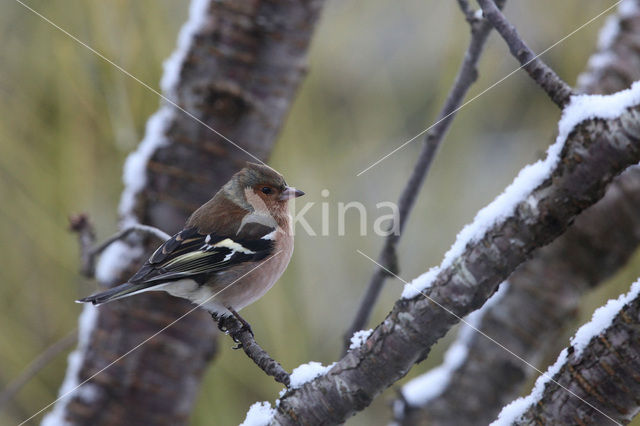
pixel 245 324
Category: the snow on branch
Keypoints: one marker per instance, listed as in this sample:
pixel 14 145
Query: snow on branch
pixel 617 60
pixel 580 109
pixel 605 370
pixel 431 384
pixel 599 136
pixel 529 319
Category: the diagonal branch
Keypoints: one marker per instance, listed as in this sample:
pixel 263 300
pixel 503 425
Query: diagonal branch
pixel 467 75
pixel 543 297
pixel 600 367
pixel 89 252
pixel 247 342
pixel 537 208
pixel 558 90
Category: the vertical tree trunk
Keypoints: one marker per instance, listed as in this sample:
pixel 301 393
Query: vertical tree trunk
pixel 236 70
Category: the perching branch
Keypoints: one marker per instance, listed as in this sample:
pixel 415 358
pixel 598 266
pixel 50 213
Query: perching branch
pixel 86 236
pixel 243 335
pixel 558 90
pixel 595 151
pixel 604 374
pixel 544 293
pixel 467 75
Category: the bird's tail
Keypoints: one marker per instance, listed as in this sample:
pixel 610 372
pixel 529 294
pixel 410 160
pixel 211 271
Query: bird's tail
pixel 117 292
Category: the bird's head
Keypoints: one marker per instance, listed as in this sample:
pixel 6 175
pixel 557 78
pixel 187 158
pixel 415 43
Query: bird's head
pixel 258 187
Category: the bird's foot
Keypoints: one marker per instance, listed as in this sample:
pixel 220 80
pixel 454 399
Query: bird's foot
pixel 245 325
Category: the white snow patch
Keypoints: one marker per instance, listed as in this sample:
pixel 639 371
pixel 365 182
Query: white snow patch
pixel 69 387
pixel 425 387
pixel 606 39
pixel 173 65
pixel 512 412
pixel 579 109
pixel 359 337
pixel 135 167
pixel 259 414
pixel 306 372
pixel 114 260
pixel 420 284
pixel 628 8
pixel 608 32
pixel 602 319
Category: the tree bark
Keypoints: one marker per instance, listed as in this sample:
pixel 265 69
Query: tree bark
pixel 544 294
pixel 237 69
pixel 604 374
pixel 594 153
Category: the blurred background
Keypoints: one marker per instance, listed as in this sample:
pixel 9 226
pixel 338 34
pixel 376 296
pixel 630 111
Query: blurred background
pixel 378 74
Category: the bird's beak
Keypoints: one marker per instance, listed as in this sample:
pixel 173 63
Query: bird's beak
pixel 289 193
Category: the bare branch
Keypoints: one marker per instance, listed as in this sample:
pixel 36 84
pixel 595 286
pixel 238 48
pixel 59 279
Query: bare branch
pixel 558 90
pixel 244 337
pixel 86 236
pixel 81 225
pixel 467 75
pixel 595 151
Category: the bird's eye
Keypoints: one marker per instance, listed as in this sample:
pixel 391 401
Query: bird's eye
pixel 266 190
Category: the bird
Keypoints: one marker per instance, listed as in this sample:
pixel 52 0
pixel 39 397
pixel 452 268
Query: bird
pixel 230 252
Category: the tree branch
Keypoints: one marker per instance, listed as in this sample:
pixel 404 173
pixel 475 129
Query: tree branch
pixel 244 337
pixel 86 237
pixel 541 302
pixel 467 75
pixel 543 297
pixel 595 151
pixel 558 90
pixel 600 368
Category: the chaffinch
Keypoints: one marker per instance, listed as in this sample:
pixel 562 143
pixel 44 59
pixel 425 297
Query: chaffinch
pixel 231 251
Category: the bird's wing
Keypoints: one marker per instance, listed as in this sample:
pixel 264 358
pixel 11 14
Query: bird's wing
pixel 190 254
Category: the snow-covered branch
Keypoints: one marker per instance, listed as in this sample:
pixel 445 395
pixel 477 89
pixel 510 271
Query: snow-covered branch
pixel 601 374
pixel 545 292
pixel 598 138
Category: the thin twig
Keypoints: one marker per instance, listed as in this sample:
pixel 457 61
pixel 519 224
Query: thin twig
pixel 559 91
pixel 244 337
pixel 86 236
pixel 467 11
pixel 467 75
pixel 81 225
pixel 36 366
